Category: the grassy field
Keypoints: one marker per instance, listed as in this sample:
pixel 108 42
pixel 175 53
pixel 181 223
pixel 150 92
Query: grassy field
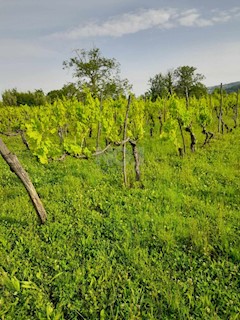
pixel 169 249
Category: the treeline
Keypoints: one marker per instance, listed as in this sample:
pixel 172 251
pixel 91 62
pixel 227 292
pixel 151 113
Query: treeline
pixel 183 82
pixel 101 76
pixel 13 97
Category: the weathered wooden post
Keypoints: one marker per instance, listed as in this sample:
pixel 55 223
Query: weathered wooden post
pixel 235 118
pixel 124 142
pixel 221 110
pixel 16 167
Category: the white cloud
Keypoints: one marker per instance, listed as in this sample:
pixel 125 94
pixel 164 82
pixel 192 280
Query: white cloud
pixel 189 21
pixel 125 24
pixel 192 18
pixel 129 23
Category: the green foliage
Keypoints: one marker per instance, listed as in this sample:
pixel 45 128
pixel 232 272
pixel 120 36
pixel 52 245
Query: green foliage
pixel 70 126
pixel 158 87
pixel 13 119
pixel 182 81
pixel 170 132
pixel 204 115
pixel 188 82
pixel 68 91
pixel 15 98
pixel 77 127
pixel 137 120
pixel 169 250
pixel 99 74
pixel 9 97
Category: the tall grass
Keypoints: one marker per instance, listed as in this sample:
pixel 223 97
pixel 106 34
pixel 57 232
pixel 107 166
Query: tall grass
pixel 166 250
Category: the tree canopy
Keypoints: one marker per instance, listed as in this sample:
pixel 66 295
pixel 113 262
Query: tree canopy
pixel 184 81
pixel 161 85
pixel 188 82
pixel 15 98
pixel 101 75
pixel 67 91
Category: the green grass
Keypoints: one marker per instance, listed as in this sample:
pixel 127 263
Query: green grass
pixel 167 250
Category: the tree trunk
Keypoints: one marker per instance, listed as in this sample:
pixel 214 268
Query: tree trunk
pixel 193 138
pixel 180 152
pixel 16 167
pixel 208 136
pixel 90 132
pixel 24 140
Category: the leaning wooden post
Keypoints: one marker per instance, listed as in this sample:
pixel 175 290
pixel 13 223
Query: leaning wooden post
pixel 221 109
pixel 187 97
pixel 236 110
pixel 182 135
pixel 16 167
pixel 99 124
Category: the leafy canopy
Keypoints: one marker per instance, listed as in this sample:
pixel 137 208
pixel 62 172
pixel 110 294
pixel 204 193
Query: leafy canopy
pixel 184 81
pixel 101 75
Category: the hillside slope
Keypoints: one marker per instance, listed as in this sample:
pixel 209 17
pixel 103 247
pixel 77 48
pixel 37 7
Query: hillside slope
pixel 168 250
pixel 228 87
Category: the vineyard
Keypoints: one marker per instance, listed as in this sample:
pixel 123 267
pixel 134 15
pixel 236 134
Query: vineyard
pixel 142 199
pixel 84 129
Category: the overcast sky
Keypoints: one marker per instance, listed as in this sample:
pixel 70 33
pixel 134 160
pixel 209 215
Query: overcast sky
pixel 145 37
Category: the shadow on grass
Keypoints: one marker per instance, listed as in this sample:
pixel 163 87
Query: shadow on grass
pixel 11 220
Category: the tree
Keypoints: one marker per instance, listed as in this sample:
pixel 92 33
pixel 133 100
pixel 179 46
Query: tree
pixel 67 91
pixel 9 97
pixel 15 98
pixel 188 82
pixel 101 75
pixel 157 87
pixel 169 81
pixel 161 85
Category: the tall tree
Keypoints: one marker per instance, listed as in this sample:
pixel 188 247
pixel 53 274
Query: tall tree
pixel 101 75
pixel 188 82
pixel 169 81
pixel 157 87
pixel 161 85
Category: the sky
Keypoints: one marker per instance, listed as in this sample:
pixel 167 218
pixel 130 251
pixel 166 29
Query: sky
pixel 145 37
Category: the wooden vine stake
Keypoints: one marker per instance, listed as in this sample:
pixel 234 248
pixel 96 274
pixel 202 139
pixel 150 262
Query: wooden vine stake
pixel 124 144
pixel 221 110
pixel 16 167
pixel 235 118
